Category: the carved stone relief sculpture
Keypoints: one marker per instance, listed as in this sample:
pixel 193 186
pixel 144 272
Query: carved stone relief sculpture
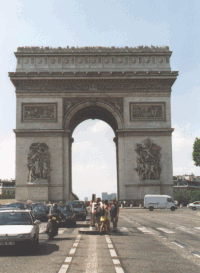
pixel 39 112
pixel 38 162
pixel 147 111
pixel 148 160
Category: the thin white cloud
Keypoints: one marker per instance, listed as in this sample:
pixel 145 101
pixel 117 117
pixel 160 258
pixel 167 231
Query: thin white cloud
pixel 99 127
pixel 7 158
pixel 80 146
pixel 182 146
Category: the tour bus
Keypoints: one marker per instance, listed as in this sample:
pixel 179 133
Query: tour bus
pixel 152 201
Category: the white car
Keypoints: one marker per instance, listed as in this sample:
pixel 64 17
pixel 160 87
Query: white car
pixel 19 228
pixel 195 205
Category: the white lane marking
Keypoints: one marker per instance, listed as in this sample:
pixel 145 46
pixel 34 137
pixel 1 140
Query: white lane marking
pixel 166 230
pixel 185 229
pixel 116 262
pixel 92 258
pixel 197 255
pixel 123 230
pixel 145 230
pixel 61 231
pixel 197 227
pixel 72 251
pixel 119 270
pixel 75 244
pixel 108 241
pixel 110 246
pixel 68 260
pixel 64 268
pixel 177 245
pixel 113 253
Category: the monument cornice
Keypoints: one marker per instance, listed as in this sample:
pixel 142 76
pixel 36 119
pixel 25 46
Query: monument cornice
pixel 41 133
pixel 145 132
pixel 90 49
pixel 93 84
pixel 93 74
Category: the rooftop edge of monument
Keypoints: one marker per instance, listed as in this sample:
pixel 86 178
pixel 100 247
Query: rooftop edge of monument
pixel 48 49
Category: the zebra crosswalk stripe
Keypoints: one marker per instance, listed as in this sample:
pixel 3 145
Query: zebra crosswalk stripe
pixel 145 230
pixel 166 230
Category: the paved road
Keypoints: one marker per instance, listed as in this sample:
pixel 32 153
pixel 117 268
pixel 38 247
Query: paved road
pixel 158 241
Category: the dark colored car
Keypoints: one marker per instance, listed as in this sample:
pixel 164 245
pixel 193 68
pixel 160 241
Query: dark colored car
pixel 79 209
pixel 22 206
pixel 68 215
pixel 34 205
pixel 40 213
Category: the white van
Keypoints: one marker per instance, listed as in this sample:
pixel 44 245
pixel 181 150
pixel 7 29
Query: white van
pixel 152 202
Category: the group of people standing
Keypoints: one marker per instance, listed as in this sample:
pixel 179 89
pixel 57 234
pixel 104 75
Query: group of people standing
pixel 106 213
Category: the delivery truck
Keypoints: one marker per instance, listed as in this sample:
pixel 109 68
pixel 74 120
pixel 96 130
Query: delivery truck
pixel 152 201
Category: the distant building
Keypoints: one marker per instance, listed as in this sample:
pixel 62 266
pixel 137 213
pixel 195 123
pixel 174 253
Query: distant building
pixel 186 182
pixel 109 197
pixel 7 186
pixel 86 199
pixel 104 196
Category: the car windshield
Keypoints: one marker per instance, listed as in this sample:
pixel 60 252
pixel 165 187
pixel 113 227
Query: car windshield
pixel 39 209
pixel 15 218
pixel 65 208
pixel 77 205
pixel 17 205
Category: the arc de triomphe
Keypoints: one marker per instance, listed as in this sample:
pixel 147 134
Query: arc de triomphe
pixel 57 88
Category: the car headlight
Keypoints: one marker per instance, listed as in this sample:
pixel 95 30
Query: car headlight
pixel 24 235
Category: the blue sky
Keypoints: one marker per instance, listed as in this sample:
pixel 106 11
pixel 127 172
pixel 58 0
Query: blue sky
pixel 104 23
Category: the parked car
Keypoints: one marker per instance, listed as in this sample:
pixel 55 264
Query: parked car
pixel 152 202
pixel 18 228
pixel 40 213
pixel 79 209
pixel 195 205
pixel 68 215
pixel 17 205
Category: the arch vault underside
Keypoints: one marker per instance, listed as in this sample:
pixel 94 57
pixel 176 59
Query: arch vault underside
pixel 57 89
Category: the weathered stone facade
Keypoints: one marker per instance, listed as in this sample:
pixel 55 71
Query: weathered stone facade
pixel 129 88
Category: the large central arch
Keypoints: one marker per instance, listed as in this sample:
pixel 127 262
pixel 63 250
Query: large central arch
pixel 92 110
pixel 57 89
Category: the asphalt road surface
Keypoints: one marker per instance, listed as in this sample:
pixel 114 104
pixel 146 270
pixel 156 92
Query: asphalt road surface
pixel 158 241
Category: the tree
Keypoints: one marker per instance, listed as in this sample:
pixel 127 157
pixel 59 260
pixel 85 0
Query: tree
pixel 196 151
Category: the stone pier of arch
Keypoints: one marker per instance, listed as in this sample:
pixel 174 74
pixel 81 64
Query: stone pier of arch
pixel 58 88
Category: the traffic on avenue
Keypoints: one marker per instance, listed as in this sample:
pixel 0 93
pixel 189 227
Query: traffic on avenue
pixel 158 240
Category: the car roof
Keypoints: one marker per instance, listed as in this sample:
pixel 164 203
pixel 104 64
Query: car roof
pixel 14 210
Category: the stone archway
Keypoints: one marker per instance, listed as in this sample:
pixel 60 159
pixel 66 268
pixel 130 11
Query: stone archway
pixel 56 89
pixel 81 109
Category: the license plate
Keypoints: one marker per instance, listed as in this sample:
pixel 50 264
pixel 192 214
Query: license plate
pixel 7 243
pixel 62 221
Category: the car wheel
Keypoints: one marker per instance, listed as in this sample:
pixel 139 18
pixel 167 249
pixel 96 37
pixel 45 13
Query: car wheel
pixel 172 208
pixel 194 208
pixel 151 208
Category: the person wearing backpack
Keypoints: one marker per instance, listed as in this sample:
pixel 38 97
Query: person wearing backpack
pixel 114 213
pixel 104 217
